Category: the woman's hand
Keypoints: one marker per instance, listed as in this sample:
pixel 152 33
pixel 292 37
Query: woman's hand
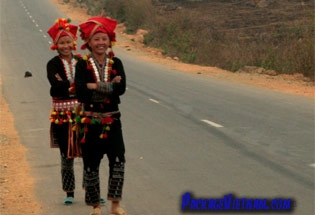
pixel 91 86
pixel 117 79
pixel 58 77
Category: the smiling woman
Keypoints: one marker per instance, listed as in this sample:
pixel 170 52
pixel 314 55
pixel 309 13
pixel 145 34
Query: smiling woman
pixel 61 72
pixel 100 81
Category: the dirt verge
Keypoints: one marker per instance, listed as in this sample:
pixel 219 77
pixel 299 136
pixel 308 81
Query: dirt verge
pixel 16 183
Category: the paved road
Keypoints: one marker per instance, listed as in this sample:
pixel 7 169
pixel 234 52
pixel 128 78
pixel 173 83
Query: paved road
pixel 183 132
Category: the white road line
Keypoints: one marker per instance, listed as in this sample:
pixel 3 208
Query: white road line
pixel 212 123
pixel 36 129
pixel 155 101
pixel 312 165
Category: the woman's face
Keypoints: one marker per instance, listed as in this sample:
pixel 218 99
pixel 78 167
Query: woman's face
pixel 65 45
pixel 99 43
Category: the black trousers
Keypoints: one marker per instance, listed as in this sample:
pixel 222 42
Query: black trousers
pixel 93 151
pixel 60 137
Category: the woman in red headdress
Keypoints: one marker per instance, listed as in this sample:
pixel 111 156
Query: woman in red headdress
pixel 100 81
pixel 61 73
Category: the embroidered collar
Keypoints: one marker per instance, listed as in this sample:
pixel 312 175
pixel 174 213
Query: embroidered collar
pixel 106 71
pixel 70 75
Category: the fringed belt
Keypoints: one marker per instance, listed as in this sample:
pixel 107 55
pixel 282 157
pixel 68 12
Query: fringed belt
pixel 97 114
pixel 63 111
pixel 64 105
pixel 86 118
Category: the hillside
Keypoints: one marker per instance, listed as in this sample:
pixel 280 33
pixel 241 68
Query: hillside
pixel 251 16
pixel 276 36
pixel 256 19
pixel 133 42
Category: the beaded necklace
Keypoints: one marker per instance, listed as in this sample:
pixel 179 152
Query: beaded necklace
pixel 96 70
pixel 70 75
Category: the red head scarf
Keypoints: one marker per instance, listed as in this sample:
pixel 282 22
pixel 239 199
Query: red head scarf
pixel 62 27
pixel 97 24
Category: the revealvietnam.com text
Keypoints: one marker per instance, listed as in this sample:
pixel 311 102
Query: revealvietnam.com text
pixel 230 203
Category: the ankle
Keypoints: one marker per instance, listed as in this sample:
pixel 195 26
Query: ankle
pixel 70 194
pixel 115 204
pixel 96 206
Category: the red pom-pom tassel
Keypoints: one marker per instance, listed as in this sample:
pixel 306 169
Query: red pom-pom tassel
pixel 53 47
pixel 82 140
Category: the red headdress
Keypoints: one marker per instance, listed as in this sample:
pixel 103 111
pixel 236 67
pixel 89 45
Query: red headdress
pixel 62 27
pixel 98 24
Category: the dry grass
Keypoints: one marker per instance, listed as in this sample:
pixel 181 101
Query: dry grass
pixel 275 35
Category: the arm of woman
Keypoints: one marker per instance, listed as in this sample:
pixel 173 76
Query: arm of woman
pixel 117 86
pixel 59 86
pixel 82 79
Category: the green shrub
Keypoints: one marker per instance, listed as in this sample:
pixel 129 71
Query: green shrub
pixel 281 40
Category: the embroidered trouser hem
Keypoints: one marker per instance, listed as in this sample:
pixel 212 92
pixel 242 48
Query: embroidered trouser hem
pixel 116 180
pixel 67 174
pixel 92 187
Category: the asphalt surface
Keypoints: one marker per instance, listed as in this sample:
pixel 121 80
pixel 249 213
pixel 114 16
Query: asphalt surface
pixel 183 132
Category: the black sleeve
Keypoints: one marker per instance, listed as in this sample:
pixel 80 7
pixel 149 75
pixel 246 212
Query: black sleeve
pixel 118 69
pixel 82 77
pixel 58 88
